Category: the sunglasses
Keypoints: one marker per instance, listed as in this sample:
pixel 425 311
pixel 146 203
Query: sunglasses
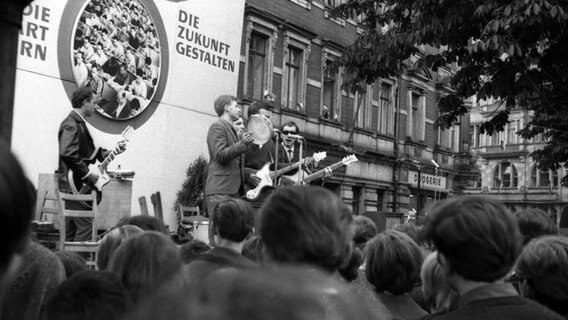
pixel 288 132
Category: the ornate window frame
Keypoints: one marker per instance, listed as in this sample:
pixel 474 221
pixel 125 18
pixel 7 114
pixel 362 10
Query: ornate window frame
pixel 297 41
pixel 331 55
pixel 269 30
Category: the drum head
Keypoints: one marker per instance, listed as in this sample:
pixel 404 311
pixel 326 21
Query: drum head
pixel 260 128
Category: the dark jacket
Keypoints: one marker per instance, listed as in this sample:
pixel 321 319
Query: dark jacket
pixel 75 146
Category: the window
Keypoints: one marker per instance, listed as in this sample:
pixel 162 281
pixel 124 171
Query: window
pixel 259 58
pixel 511 133
pixel 416 119
pixel 331 91
pixel 495 139
pixel 293 76
pixel 364 117
pixel 505 176
pixel 257 66
pixel 294 73
pixel 386 112
pixel 542 178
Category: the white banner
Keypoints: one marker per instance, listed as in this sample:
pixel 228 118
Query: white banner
pixel 179 57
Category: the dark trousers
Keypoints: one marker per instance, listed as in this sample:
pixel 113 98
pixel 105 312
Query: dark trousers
pixel 78 229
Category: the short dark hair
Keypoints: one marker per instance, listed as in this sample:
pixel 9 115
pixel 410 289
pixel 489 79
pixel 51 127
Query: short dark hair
pixel 306 225
pixel 533 223
pixel 223 101
pixel 148 60
pixel 252 248
pixel 139 72
pixel 350 271
pixel 393 262
pixel 544 264
pixel 146 261
pixel 73 262
pixel 147 223
pixel 365 230
pixel 112 240
pixel 233 219
pixel 93 295
pixel 191 249
pixel 410 229
pixel 255 107
pixel 17 201
pixel 477 236
pixel 291 124
pixel 81 95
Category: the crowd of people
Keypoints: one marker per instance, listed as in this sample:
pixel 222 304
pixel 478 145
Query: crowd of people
pixel 116 47
pixel 301 255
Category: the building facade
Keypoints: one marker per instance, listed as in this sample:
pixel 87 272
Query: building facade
pixel 508 172
pixel 405 164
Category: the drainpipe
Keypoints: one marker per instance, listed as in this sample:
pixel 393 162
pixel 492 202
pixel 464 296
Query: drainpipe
pixel 395 167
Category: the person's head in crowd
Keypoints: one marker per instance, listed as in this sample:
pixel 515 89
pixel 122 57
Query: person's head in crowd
pixel 365 230
pixel 289 127
pixel 410 229
pixel 73 262
pixel 437 292
pixel 139 75
pixel 227 104
pixel 252 249
pixel 533 223
pixel 34 281
pixel 112 240
pixel 233 223
pixel 17 201
pixel 95 68
pixel 393 262
pixel 306 225
pixel 259 107
pixel 146 261
pixel 191 249
pixel 278 293
pixel 476 237
pixel 147 60
pixel 542 272
pixel 349 272
pixel 135 105
pixel 146 223
pixel 89 295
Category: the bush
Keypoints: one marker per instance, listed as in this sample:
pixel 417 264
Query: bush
pixel 191 193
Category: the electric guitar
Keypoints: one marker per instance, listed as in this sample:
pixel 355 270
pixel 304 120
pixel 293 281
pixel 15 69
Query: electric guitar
pixel 267 177
pixel 328 171
pixel 79 186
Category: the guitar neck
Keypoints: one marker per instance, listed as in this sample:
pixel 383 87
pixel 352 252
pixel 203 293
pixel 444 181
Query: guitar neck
pixel 289 168
pixel 108 159
pixel 322 172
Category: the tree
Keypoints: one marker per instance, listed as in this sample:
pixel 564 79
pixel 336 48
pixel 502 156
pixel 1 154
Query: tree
pixel 191 193
pixel 514 51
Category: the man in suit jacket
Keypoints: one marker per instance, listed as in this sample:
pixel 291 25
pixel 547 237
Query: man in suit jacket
pixel 76 145
pixel 289 153
pixel 225 174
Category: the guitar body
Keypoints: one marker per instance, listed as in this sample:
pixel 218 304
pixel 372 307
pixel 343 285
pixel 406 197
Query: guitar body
pixel 267 177
pixel 265 181
pixel 79 186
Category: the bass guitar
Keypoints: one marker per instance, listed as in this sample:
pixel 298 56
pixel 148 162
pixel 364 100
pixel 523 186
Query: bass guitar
pixel 267 177
pixel 79 186
pixel 328 171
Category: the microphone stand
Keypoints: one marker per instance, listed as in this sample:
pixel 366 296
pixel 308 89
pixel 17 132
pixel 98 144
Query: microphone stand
pixel 301 147
pixel 277 155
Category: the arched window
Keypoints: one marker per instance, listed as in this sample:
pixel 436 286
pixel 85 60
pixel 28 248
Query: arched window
pixel 544 178
pixel 505 176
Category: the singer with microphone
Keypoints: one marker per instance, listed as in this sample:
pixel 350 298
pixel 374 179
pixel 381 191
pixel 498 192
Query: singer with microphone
pixel 289 152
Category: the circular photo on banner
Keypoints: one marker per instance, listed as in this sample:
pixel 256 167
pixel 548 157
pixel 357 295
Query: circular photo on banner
pixel 116 52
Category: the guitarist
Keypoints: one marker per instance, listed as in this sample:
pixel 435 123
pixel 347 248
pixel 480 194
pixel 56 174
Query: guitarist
pixel 289 152
pixel 76 145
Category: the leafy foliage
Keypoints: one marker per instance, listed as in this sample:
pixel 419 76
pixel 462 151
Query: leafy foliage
pixel 191 193
pixel 512 51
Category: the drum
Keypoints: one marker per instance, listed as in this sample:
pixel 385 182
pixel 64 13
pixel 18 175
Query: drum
pixel 201 231
pixel 260 128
